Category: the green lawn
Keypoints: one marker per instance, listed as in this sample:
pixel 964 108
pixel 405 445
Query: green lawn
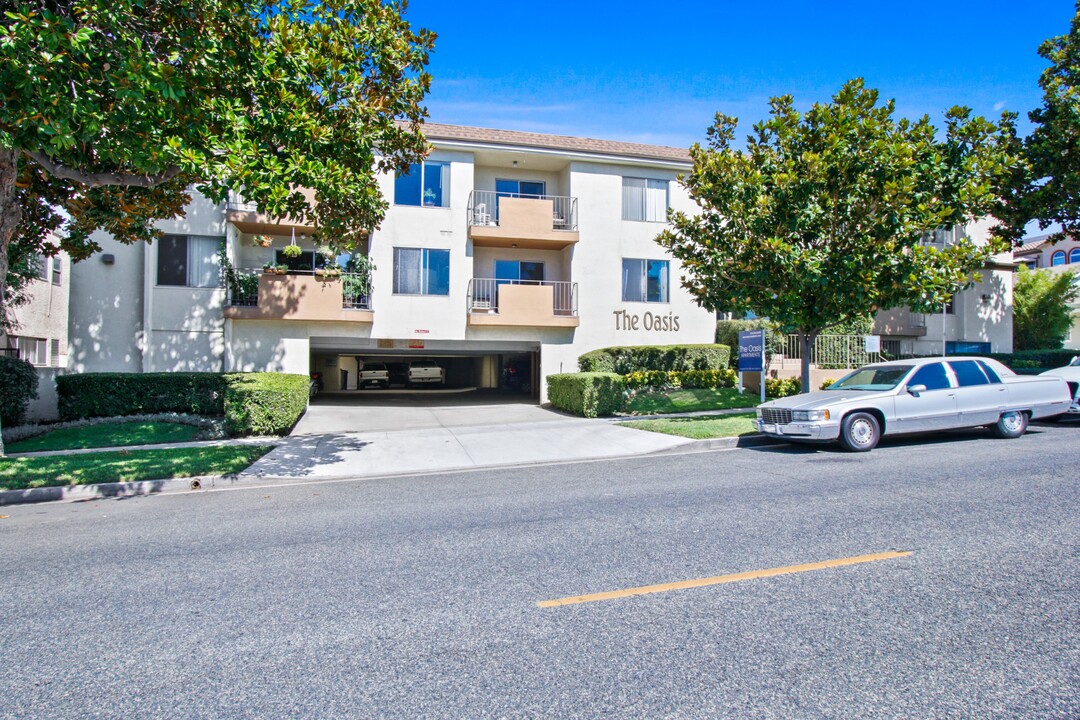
pixel 674 401
pixel 125 466
pixel 117 434
pixel 700 428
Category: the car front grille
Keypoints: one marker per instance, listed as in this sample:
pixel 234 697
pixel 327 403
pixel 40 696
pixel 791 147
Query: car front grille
pixel 776 416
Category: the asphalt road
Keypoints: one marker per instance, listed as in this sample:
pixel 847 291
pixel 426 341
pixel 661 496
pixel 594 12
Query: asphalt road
pixel 417 597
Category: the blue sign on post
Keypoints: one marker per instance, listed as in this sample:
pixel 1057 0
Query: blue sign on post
pixel 751 351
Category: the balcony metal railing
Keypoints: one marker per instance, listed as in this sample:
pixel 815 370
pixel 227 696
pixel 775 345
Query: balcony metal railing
pixel 246 294
pixel 239 204
pixel 484 208
pixel 484 295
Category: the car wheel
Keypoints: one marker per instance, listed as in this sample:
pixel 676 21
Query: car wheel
pixel 860 432
pixel 1011 424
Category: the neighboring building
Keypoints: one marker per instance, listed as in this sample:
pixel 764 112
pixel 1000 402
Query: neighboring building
pixel 977 321
pixel 1063 256
pixel 39 332
pixel 502 250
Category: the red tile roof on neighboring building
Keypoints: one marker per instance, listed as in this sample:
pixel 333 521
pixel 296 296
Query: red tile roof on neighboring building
pixel 436 132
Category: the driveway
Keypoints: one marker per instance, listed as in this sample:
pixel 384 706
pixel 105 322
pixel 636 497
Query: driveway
pixel 389 410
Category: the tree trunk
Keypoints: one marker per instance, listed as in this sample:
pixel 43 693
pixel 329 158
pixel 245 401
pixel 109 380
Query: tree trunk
pixel 10 214
pixel 806 347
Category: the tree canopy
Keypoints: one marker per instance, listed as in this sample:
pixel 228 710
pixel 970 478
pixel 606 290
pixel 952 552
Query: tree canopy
pixel 822 218
pixel 112 110
pixel 1042 316
pixel 1048 188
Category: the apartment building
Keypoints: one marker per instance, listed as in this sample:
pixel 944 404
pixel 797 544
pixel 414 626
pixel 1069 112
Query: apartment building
pixel 502 250
pixel 1063 256
pixel 977 321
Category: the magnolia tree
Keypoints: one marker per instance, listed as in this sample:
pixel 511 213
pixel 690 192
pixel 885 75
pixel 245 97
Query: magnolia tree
pixel 112 110
pixel 820 219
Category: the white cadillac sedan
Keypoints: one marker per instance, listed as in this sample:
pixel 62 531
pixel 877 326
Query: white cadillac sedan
pixel 1071 375
pixel 916 396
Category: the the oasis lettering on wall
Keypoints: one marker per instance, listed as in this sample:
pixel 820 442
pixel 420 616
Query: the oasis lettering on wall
pixel 647 321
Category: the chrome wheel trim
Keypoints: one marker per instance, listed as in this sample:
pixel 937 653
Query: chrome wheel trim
pixel 861 432
pixel 1012 421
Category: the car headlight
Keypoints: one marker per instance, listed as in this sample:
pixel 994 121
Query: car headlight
pixel 810 415
pixel 759 413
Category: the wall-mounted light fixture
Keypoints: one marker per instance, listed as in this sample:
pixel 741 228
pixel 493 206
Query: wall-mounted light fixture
pixel 985 297
pixel 108 258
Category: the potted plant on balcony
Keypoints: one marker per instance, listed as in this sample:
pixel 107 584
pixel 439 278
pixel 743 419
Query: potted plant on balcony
pixel 281 269
pixel 268 268
pixel 262 241
pixel 331 272
pixel 292 251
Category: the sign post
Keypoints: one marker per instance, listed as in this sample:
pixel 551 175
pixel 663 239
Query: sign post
pixel 752 356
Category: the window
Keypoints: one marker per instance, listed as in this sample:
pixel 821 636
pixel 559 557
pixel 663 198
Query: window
pixel 519 271
pixel 644 280
pixel 188 261
pixel 960 347
pixel 1058 258
pixel 938 236
pixel 305 261
pixel 932 376
pixel 54 352
pixel 419 271
pixel 990 374
pixel 57 268
pixel 644 199
pixel 32 350
pixel 41 269
pixel 425 184
pixel 519 188
pixel 1074 256
pixel 968 373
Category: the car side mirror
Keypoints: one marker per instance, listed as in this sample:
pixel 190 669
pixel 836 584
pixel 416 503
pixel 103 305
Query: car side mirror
pixel 916 389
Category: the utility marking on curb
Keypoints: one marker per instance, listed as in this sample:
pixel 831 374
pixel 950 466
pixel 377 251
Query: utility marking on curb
pixel 723 579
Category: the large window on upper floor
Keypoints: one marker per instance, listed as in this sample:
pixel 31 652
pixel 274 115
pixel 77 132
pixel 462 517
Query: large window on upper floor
pixel 644 280
pixel 1058 258
pixel 189 261
pixel 1074 256
pixel 32 350
pixel 644 199
pixel 421 271
pixel 426 184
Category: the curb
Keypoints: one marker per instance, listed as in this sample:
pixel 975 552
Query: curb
pixel 102 491
pixel 729 443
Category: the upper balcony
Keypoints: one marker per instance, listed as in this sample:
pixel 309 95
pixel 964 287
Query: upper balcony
pixel 543 222
pixel 247 218
pixel 523 303
pixel 301 296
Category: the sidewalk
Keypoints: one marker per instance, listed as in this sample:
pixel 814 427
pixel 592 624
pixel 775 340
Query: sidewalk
pixel 347 455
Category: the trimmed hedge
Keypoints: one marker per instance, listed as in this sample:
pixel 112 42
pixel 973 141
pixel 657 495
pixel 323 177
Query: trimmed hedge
pixel 724 378
pixel 252 403
pixel 588 394
pixel 623 360
pixel 264 403
pixel 115 394
pixel 18 386
pixel 782 387
pixel 1036 359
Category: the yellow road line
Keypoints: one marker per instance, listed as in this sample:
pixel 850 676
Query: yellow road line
pixel 722 579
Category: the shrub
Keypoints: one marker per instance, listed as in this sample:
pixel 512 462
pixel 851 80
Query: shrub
pixel 588 394
pixel 635 358
pixel 722 378
pixel 117 394
pixel 782 387
pixel 651 379
pixel 18 386
pixel 1034 359
pixel 264 403
pixel 827 384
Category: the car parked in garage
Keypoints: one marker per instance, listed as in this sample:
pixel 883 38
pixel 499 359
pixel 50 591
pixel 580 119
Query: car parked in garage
pixel 426 372
pixel 1071 375
pixel 916 396
pixel 374 374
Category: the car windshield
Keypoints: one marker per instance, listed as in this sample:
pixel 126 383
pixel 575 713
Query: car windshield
pixel 1075 362
pixel 885 377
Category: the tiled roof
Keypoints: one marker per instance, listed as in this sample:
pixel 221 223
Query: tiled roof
pixel 1034 245
pixel 436 132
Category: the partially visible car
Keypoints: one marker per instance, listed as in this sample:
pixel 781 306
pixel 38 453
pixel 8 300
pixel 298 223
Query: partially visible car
pixel 426 371
pixel 916 396
pixel 374 374
pixel 517 375
pixel 1071 375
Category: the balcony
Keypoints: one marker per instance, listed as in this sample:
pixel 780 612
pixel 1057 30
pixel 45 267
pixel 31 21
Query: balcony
pixel 900 322
pixel 522 303
pixel 543 222
pixel 247 218
pixel 301 296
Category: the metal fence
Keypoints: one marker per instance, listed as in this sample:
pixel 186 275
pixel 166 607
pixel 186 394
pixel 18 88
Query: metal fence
pixel 484 294
pixel 484 208
pixel 829 352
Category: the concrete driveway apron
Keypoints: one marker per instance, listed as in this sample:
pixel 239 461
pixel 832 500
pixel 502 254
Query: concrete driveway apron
pixel 392 433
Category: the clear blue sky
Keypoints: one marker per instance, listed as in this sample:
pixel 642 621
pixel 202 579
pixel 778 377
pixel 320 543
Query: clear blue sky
pixel 658 72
